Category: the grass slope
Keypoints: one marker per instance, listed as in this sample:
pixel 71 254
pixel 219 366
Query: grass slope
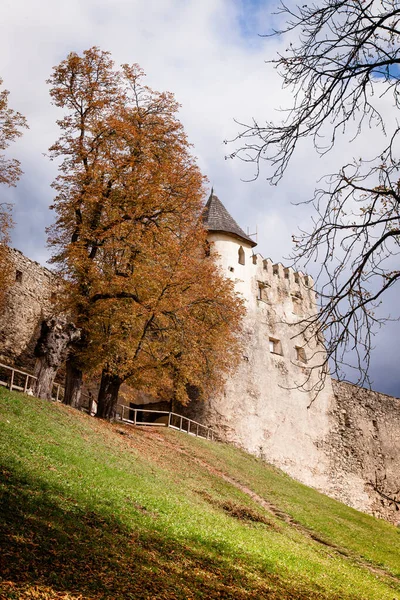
pixel 90 510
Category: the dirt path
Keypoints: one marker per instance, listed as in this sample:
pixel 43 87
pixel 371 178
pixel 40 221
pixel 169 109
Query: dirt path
pixel 281 515
pixel 277 512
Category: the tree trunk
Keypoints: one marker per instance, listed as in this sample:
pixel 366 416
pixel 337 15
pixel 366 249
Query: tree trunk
pixel 108 395
pixel 51 350
pixel 45 378
pixel 73 384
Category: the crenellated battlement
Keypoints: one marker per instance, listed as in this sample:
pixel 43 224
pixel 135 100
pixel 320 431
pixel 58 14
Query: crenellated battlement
pixel 280 272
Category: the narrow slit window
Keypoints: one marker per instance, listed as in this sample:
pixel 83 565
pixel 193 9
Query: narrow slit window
pixel 18 276
pixel 241 257
pixel 297 304
pixel 262 291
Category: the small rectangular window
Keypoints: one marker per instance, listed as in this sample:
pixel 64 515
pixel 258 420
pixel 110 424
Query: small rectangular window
pixel 300 354
pixel 262 291
pixel 254 258
pixel 18 276
pixel 275 346
pixel 297 304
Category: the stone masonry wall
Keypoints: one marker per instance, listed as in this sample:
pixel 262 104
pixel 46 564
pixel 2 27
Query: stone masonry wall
pixel 28 302
pixel 365 448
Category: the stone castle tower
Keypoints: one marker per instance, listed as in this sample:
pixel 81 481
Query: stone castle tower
pixel 328 442
pixel 262 409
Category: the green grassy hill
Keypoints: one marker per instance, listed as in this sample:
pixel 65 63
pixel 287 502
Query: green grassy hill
pixel 94 510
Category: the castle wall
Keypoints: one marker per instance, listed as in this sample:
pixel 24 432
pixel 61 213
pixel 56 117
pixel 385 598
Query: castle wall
pixel 365 447
pixel 28 302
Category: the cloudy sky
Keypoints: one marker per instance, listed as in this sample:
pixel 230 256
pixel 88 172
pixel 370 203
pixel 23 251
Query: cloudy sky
pixel 210 54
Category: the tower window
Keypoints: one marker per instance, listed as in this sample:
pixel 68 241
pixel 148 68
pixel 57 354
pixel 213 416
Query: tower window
pixel 300 354
pixel 297 301
pixel 254 257
pixel 262 291
pixel 18 276
pixel 241 256
pixel 275 346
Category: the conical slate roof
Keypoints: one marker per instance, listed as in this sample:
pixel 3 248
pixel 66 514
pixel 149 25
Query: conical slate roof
pixel 217 218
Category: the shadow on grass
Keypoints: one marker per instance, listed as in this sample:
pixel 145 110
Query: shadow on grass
pixel 51 548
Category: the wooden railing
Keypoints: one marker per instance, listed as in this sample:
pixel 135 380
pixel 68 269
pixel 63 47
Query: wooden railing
pixel 22 381
pixel 163 418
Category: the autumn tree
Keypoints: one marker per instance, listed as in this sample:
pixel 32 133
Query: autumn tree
pixel 11 123
pixel 129 195
pixel 342 68
pixel 178 333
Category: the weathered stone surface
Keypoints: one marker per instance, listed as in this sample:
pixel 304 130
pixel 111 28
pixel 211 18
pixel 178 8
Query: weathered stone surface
pixel 28 303
pixel 365 449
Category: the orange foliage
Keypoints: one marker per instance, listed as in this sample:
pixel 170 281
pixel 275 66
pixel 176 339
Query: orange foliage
pixel 10 124
pixel 129 237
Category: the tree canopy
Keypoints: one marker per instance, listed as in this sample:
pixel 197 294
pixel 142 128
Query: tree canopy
pixel 11 123
pixel 129 239
pixel 341 66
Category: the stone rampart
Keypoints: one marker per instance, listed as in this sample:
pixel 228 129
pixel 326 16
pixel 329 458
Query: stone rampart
pixel 28 302
pixel 365 449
